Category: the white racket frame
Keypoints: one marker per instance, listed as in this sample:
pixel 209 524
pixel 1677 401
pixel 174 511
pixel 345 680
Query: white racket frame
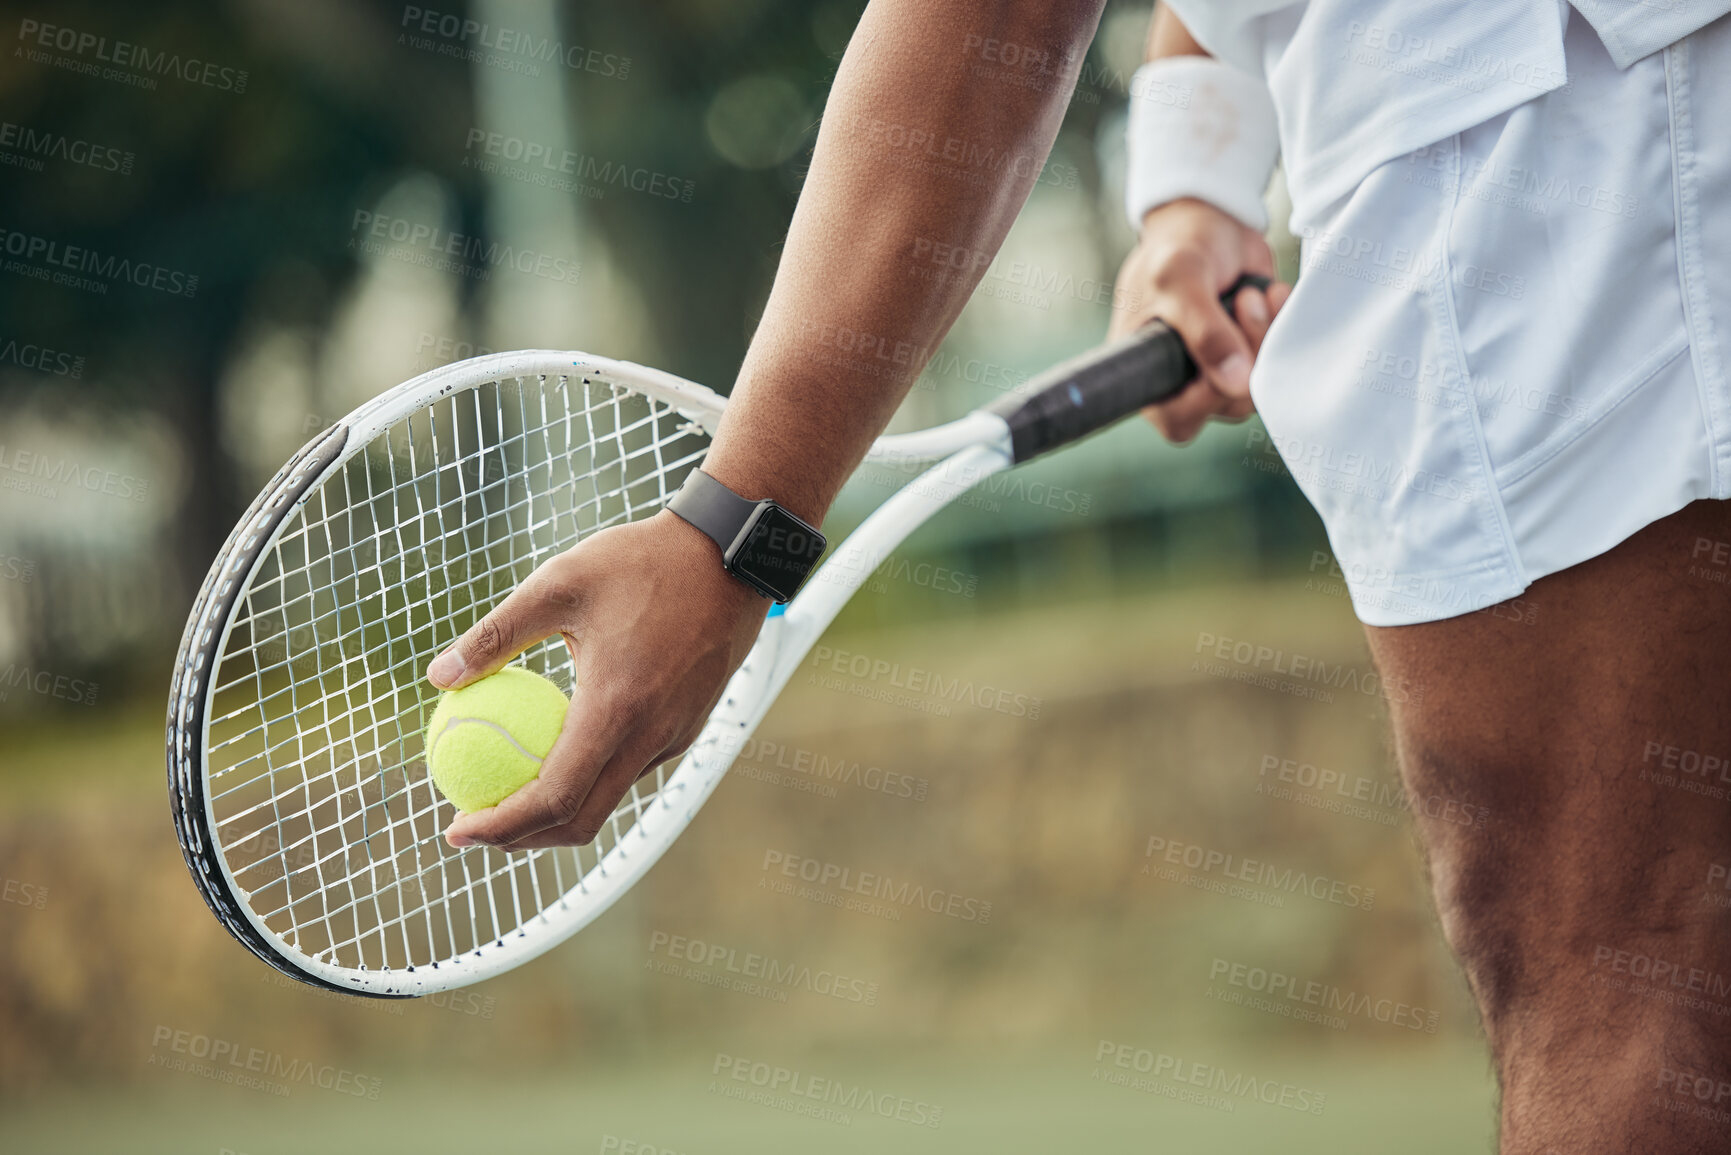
pixel 967 451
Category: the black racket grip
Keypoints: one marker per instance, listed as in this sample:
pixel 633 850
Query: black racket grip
pixel 1102 386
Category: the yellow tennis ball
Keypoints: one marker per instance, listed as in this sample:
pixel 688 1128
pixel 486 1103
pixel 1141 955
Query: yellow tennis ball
pixel 487 739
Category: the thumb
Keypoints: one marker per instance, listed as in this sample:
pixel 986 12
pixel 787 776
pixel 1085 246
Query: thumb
pixel 544 604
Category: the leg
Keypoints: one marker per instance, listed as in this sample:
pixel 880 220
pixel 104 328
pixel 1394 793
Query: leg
pixel 1585 910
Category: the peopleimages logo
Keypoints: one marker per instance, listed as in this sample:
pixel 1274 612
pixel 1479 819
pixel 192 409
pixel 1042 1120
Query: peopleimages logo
pixel 61 687
pixel 27 148
pixel 973 370
pixel 850 561
pixel 942 263
pixel 878 887
pixel 565 171
pixel 801 1093
pixel 435 349
pixel 1255 872
pixel 76 266
pixel 40 358
pixel 1454 65
pixel 1357 796
pixel 1393 266
pixel 463 253
pixel 269 1071
pixel 913 686
pixel 1292 997
pixel 1490 179
pixel 135 64
pixel 1205 1084
pixel 1303 668
pixel 765 755
pixel 458 32
pixel 1355 788
pixel 871 353
pixel 27 894
pixel 969 161
pixel 43 476
pixel 751 972
pixel 1663 980
pixel 1695 1093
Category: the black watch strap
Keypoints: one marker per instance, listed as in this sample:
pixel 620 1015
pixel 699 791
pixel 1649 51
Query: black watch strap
pixel 712 507
pixel 763 545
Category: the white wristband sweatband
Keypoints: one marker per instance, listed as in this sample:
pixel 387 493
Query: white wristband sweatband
pixel 1200 128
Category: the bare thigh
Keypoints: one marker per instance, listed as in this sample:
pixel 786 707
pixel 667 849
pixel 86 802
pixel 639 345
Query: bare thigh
pixel 1590 910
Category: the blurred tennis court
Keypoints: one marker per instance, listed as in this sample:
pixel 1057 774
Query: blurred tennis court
pixel 1055 963
pixel 1435 1104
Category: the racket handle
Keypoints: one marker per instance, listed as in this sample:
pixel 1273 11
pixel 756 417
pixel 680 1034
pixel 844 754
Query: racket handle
pixel 1102 386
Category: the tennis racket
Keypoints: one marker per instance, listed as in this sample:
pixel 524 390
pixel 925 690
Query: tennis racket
pixel 296 774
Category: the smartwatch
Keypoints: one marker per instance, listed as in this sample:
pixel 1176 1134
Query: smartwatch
pixel 762 544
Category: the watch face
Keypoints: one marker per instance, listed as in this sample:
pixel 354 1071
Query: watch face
pixel 775 551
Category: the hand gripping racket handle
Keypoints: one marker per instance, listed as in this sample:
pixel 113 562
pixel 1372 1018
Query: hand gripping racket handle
pixel 1089 392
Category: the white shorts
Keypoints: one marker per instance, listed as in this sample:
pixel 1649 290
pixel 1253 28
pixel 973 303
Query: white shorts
pixel 1505 352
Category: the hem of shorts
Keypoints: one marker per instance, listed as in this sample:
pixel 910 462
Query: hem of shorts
pixel 1501 586
pixel 1497 592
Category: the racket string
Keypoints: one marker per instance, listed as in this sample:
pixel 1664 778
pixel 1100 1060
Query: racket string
pixel 318 788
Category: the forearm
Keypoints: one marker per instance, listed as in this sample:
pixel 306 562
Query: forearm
pixel 915 153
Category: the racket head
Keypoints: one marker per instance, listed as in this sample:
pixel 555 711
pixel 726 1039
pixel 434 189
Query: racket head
pixel 297 782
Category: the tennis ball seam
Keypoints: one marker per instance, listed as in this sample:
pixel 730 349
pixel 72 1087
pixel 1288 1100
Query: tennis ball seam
pixel 451 723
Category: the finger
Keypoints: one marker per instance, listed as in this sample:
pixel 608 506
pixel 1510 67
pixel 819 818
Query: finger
pixel 1277 293
pixel 603 799
pixel 1182 418
pixel 1236 412
pixel 1122 320
pixel 1250 309
pixel 540 606
pixel 620 774
pixel 1215 342
pixel 587 742
pixel 553 836
pixel 609 787
pixel 1255 310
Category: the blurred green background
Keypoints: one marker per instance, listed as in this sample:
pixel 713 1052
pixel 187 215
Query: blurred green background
pixel 222 163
